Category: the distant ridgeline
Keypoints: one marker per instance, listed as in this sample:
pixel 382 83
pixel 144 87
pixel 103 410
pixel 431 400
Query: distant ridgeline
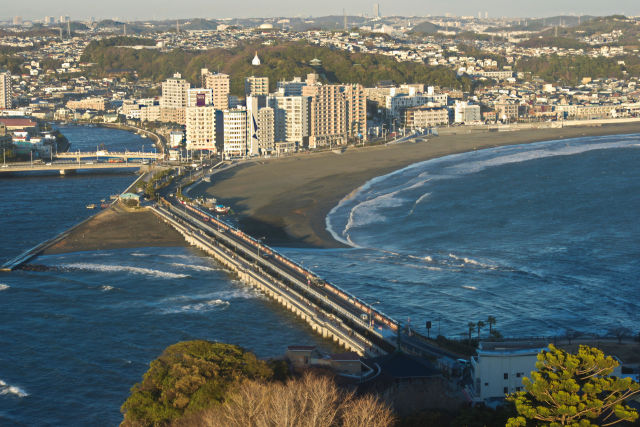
pixel 280 61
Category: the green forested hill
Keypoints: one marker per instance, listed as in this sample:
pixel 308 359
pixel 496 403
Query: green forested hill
pixel 280 61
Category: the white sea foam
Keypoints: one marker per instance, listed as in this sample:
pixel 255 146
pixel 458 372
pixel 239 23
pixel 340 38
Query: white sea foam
pixel 417 202
pixel 106 288
pixel 196 267
pixel 471 261
pixel 139 254
pixel 472 288
pixel 124 268
pixel 198 307
pixel 7 389
pixel 452 166
pixel 4 287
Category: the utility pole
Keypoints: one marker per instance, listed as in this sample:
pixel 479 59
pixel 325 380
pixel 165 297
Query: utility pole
pixel 344 14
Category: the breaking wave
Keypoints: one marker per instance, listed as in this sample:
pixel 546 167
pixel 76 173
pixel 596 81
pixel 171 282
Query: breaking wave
pixel 123 268
pixel 4 287
pixel 7 389
pixel 198 307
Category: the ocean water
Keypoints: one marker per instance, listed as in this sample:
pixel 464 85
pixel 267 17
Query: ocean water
pixel 545 237
pixel 76 338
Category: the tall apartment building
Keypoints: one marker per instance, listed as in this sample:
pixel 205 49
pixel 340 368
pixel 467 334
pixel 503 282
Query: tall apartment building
pixel 235 132
pixel 356 104
pixel 199 97
pixel 466 113
pixel 174 92
pixel 255 86
pixel 328 113
pixel 266 130
pixel 291 88
pixel 291 118
pixel 220 85
pixel 201 128
pixel 6 93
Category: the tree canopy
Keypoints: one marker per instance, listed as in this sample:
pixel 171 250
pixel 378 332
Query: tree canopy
pixel 189 376
pixel 574 390
pixel 283 60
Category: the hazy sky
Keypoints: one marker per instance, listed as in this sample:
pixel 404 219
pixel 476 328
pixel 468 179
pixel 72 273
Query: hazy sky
pixel 149 9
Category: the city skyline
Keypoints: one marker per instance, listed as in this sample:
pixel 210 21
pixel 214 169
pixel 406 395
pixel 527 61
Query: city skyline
pixel 189 9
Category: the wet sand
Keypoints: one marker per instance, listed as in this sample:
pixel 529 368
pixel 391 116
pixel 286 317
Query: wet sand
pixel 286 200
pixel 118 228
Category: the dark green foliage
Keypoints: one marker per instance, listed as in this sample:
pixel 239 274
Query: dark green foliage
pixel 570 69
pixel 574 390
pixel 189 376
pixel 11 63
pixel 281 61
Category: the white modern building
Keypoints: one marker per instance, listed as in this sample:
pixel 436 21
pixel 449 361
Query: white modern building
pixel 235 132
pixel 466 113
pixel 291 118
pixel 499 367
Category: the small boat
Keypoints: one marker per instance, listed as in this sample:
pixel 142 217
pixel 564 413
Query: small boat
pixel 221 209
pixel 143 136
pixel 91 206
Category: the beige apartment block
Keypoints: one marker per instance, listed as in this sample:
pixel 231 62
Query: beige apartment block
pixel 174 92
pixel 86 104
pixel 328 112
pixel 255 86
pixel 201 128
pixel 356 104
pixel 220 85
pixel 6 93
pixel 425 117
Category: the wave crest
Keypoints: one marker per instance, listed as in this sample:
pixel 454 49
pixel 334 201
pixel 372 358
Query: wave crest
pixel 107 268
pixel 6 389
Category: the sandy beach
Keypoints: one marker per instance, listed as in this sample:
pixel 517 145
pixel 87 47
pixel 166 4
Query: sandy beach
pixel 286 200
pixel 118 228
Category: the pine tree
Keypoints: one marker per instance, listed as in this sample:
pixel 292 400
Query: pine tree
pixel 574 390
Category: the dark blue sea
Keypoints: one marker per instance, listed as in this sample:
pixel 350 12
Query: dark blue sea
pixel 544 237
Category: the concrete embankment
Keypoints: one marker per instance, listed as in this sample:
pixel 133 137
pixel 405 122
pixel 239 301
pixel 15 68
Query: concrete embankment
pixel 321 321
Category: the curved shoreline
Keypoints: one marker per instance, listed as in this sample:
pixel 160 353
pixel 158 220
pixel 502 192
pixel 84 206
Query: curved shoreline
pixel 287 200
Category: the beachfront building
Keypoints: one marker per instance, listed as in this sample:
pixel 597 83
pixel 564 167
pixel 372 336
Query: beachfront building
pixel 466 113
pixel 328 116
pixel 256 86
pixel 291 118
pixel 6 94
pixel 235 132
pixel 220 86
pixel 201 128
pixel 356 105
pixel 499 367
pixel 266 130
pixel 425 117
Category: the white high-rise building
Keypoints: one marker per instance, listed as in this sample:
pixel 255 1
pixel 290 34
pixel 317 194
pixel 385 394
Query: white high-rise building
pixel 174 92
pixel 235 132
pixel 291 118
pixel 201 128
pixel 6 93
